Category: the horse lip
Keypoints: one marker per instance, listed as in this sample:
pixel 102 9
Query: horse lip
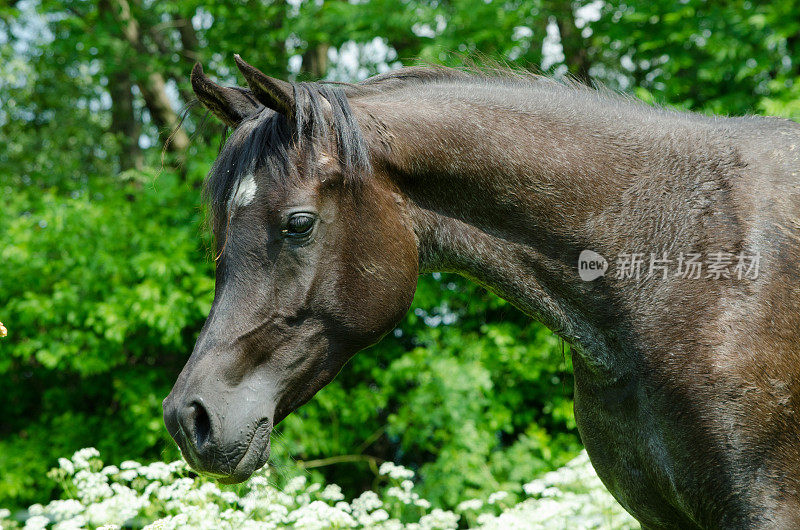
pixel 251 460
pixel 253 457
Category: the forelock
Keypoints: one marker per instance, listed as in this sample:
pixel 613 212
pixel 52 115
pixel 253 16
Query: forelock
pixel 268 144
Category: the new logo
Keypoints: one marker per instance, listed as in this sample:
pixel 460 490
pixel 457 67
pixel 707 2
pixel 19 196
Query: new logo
pixel 591 265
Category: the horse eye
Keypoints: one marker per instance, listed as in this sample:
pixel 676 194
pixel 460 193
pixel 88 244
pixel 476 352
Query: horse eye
pixel 299 224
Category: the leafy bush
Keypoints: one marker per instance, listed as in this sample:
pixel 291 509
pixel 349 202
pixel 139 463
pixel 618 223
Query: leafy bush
pixel 166 496
pixel 101 288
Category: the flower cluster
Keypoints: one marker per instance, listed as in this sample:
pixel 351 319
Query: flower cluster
pixel 570 497
pixel 167 496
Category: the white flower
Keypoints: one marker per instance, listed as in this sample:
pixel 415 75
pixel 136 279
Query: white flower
pixel 151 488
pixel 37 522
pixel 395 471
pixel 110 470
pixel 440 519
pixel 178 489
pixel 124 504
pixel 128 474
pixel 572 497
pixel 258 481
pixel 66 465
pixel 332 492
pixel 569 497
pixel 296 484
pixel 372 519
pixel 61 510
pixel 257 525
pixel 394 524
pixel 229 497
pixel 341 505
pixel 535 487
pixel 400 494
pixel 379 515
pixel 497 496
pixel 486 520
pixel 367 501
pixel 156 471
pixel 82 457
pixel 422 503
pixel 178 465
pixel 471 504
pixel 4 513
pixel 91 487
pixel 320 515
pixel 76 523
pixel 209 488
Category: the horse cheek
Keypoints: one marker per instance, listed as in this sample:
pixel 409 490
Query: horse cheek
pixel 382 278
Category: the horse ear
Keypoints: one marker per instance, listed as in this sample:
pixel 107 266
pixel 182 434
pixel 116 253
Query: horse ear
pixel 231 105
pixel 274 93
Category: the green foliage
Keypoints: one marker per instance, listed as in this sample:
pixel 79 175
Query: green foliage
pixel 722 57
pixel 102 288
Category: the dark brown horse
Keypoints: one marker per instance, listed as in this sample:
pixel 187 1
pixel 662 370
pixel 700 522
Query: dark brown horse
pixel 664 246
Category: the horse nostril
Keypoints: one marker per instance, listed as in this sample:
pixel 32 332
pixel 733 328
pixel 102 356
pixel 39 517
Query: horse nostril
pixel 198 424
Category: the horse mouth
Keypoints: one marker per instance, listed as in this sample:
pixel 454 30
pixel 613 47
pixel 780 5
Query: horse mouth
pixel 255 455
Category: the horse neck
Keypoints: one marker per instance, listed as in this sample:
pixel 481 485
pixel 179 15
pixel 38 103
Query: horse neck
pixel 508 194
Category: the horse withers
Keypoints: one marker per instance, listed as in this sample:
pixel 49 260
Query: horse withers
pixel 663 245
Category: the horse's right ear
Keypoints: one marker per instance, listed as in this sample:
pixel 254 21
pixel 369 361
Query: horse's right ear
pixel 231 105
pixel 274 93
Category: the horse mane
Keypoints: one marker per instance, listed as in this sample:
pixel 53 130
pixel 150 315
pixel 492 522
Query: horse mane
pixel 266 139
pixel 492 73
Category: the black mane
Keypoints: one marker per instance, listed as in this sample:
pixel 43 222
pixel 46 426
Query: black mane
pixel 266 139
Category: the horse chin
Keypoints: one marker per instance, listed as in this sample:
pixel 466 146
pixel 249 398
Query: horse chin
pixel 254 458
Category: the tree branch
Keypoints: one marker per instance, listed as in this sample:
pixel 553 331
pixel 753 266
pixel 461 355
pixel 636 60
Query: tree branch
pixel 340 459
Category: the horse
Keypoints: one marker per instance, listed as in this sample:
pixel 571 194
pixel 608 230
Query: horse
pixel 663 245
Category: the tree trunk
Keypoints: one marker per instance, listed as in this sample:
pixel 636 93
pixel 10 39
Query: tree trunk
pixel 315 62
pixel 576 54
pixel 189 41
pixel 152 85
pixel 154 91
pixel 124 125
pixel 123 121
pixel 188 52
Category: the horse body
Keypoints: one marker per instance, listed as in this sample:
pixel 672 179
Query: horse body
pixel 686 390
pixel 682 387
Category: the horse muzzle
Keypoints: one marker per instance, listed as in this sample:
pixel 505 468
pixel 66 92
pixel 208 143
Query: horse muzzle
pixel 229 445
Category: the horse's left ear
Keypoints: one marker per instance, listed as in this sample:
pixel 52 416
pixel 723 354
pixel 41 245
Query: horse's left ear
pixel 274 93
pixel 231 105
